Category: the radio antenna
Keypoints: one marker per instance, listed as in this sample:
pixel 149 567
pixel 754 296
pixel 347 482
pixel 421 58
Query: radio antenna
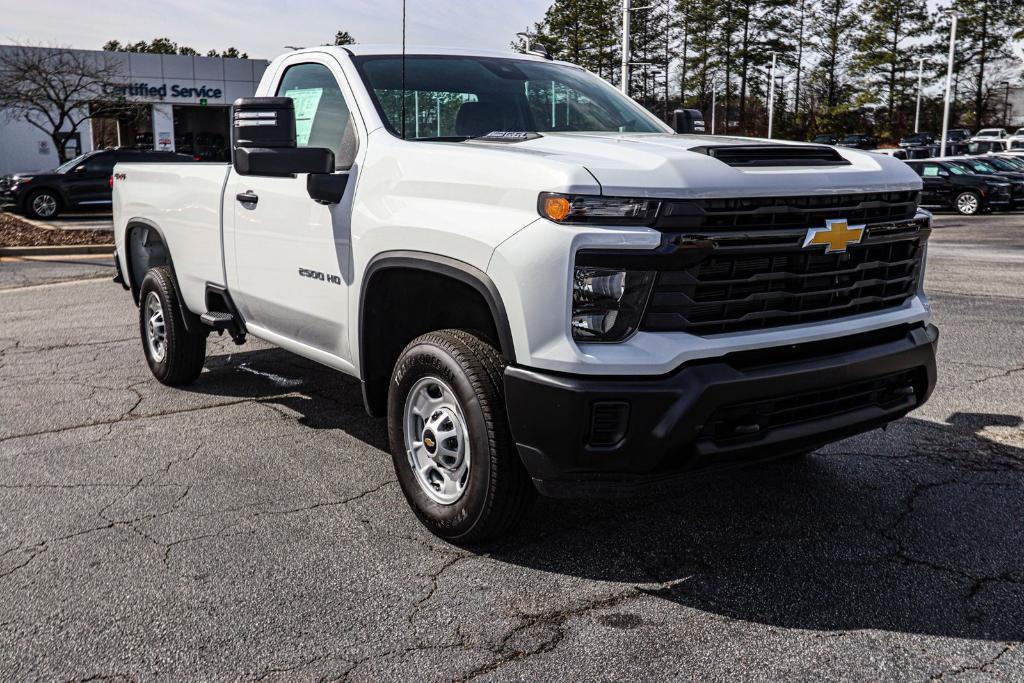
pixel 403 69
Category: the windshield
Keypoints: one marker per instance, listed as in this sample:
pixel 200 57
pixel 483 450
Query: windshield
pixel 1002 164
pixel 68 165
pixel 975 167
pixel 956 170
pixel 456 98
pixel 855 138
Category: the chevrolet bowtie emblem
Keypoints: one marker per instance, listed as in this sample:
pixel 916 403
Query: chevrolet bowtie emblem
pixel 836 235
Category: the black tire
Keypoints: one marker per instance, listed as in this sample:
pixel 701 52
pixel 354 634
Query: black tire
pixel 54 199
pixel 498 491
pixel 184 352
pixel 968 195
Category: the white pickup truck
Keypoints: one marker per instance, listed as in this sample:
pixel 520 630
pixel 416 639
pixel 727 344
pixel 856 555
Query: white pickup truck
pixel 540 285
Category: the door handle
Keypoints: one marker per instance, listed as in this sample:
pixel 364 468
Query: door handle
pixel 247 197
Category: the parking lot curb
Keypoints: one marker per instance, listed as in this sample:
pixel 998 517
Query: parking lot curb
pixel 59 250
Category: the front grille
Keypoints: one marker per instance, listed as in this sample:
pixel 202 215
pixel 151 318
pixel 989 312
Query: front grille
pixel 778 213
pixel 755 418
pixel 741 289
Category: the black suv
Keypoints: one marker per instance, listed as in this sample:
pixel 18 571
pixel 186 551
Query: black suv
pixel 917 140
pixel 859 141
pixel 992 167
pixel 825 139
pixel 948 185
pixel 82 183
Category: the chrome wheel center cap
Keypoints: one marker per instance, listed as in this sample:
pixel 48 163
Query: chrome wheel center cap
pixel 442 439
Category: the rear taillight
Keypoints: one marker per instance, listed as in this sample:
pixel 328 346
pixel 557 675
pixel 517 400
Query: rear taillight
pixel 110 182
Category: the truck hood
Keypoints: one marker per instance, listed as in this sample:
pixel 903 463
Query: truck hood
pixel 665 165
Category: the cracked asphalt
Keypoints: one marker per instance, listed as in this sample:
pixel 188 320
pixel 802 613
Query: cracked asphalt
pixel 249 526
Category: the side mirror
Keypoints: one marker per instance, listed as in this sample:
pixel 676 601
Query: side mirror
pixel 263 140
pixel 688 122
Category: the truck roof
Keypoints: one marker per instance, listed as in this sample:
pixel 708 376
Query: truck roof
pixel 360 50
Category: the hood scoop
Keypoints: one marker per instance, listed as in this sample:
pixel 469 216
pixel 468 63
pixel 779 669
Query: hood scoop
pixel 751 156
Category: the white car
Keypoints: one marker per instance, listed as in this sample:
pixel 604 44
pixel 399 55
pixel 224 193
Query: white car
pixel 539 284
pixel 990 133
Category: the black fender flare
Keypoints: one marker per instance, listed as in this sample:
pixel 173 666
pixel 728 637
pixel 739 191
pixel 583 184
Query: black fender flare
pixel 190 319
pixel 444 265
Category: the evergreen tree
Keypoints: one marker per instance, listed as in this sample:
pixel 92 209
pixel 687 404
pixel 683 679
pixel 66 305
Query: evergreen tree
pixel 985 30
pixel 887 52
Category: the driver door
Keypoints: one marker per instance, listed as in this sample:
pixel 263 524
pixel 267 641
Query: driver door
pixel 292 256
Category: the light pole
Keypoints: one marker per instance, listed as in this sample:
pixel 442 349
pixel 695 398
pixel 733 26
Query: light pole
pixel 714 97
pixel 626 10
pixel 949 84
pixel 1006 104
pixel 771 98
pixel 917 114
pixel 625 48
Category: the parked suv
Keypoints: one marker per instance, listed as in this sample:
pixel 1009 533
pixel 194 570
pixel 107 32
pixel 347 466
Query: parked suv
pixel 987 166
pixel 987 146
pixel 82 183
pixel 947 185
pixel 859 141
pixel 917 139
pixel 825 139
pixel 997 133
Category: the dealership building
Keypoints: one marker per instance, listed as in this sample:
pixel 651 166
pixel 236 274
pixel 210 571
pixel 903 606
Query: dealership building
pixel 171 102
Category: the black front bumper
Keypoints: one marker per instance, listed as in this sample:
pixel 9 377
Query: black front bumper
pixel 580 435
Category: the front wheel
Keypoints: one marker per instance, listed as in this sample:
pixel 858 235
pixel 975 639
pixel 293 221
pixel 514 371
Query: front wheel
pixel 43 204
pixel 450 441
pixel 968 203
pixel 174 354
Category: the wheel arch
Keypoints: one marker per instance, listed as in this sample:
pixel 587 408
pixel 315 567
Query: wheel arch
pixel 476 298
pixel 146 247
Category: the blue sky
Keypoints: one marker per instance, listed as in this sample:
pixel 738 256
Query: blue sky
pixel 218 24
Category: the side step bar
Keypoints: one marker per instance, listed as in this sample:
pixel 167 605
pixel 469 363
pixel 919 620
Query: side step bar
pixel 218 320
pixel 222 314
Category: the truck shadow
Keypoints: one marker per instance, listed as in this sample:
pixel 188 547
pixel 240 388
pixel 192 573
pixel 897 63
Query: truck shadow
pixel 916 529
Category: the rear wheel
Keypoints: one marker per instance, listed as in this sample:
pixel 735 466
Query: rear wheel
pixel 450 441
pixel 44 204
pixel 968 203
pixel 174 354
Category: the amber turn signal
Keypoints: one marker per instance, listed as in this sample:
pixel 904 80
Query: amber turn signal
pixel 556 208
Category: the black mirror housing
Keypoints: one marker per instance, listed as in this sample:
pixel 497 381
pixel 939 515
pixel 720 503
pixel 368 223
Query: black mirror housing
pixel 688 122
pixel 269 161
pixel 327 188
pixel 263 122
pixel 263 140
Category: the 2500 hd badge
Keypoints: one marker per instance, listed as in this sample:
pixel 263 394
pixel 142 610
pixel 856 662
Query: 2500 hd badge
pixel 317 275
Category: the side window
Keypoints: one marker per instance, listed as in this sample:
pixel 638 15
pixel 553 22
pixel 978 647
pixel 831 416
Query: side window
pixel 99 165
pixel 931 171
pixel 322 119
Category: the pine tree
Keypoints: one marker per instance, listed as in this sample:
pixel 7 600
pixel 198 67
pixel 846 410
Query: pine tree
pixel 887 51
pixel 984 34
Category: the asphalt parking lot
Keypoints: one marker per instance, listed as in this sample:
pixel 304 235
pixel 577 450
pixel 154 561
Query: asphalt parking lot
pixel 250 526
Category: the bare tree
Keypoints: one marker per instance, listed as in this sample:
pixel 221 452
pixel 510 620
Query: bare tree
pixel 56 89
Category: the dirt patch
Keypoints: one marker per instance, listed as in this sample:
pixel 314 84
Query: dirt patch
pixel 17 232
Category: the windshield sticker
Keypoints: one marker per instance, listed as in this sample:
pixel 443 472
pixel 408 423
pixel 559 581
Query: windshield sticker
pixel 306 102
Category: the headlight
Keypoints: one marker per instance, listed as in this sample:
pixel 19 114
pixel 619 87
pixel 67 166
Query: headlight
pixel 607 304
pixel 591 210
